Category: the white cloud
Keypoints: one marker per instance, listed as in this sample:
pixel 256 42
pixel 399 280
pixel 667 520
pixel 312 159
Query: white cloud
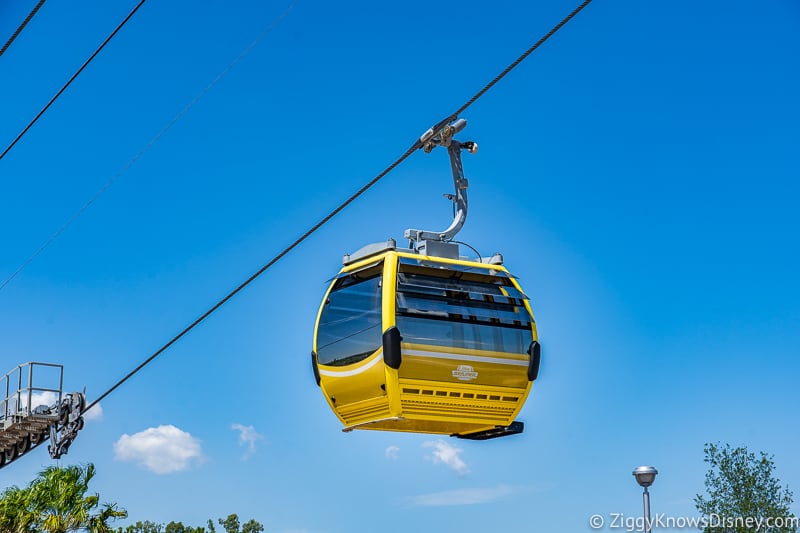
pixel 50 398
pixel 163 449
pixel 95 413
pixel 247 436
pixel 448 454
pixel 462 496
pixel 392 452
pixel 41 398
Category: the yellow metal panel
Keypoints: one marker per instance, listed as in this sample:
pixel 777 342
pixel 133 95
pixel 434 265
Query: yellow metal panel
pixel 389 320
pixel 467 403
pixel 353 383
pixel 412 425
pixel 389 290
pixel 447 261
pixel 364 411
pixel 457 365
pixel 371 260
pixel 348 389
pixel 437 389
pixel 528 307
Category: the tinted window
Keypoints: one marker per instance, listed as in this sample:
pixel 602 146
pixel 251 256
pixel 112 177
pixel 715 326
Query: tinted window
pixel 462 310
pixel 350 323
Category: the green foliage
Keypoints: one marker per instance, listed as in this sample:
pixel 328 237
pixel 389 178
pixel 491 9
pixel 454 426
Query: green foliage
pixel 143 527
pixel 152 527
pixel 14 514
pixel 57 502
pixel 741 485
pixel 251 526
pixel 230 524
pixel 178 527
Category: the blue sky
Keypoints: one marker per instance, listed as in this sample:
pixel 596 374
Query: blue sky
pixel 639 172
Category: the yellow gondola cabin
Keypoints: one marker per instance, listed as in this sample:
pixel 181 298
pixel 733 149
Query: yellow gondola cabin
pixel 423 340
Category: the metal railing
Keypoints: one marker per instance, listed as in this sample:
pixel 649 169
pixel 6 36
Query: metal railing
pixel 18 385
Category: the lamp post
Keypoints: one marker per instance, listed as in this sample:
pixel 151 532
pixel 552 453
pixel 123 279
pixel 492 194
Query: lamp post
pixel 645 476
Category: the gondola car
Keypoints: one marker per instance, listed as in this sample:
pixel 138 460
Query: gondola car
pixel 424 340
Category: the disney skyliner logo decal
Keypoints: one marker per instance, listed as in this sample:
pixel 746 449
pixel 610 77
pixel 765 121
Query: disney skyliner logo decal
pixel 465 373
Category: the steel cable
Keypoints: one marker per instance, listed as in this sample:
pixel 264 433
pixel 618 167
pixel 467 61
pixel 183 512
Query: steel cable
pixel 147 147
pixel 72 78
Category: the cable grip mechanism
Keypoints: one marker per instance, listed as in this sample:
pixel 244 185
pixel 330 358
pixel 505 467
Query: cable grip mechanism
pixel 424 241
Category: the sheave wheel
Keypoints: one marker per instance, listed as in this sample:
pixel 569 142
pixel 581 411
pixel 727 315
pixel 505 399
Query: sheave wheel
pixel 9 454
pixel 23 446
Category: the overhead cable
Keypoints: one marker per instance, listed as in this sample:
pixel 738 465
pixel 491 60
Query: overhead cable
pixel 72 78
pixel 146 147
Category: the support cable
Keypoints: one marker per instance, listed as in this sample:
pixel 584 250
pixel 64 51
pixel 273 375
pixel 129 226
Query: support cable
pixel 519 60
pixel 146 147
pixel 69 81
